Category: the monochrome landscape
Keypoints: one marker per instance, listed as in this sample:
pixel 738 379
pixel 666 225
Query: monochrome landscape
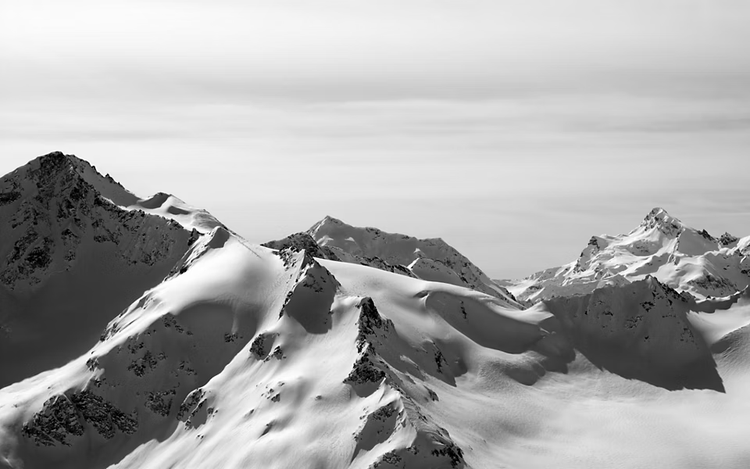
pixel 371 234
pixel 145 333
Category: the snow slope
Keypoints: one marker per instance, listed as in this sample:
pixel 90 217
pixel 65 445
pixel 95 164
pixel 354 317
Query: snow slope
pixel 73 257
pixel 662 246
pixel 428 259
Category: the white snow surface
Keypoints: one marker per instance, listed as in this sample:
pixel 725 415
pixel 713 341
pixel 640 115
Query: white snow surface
pixel 662 246
pixel 170 207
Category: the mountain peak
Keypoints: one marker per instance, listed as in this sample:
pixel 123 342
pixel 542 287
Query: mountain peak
pixel 56 172
pixel 56 156
pixel 46 167
pixel 299 242
pixel 56 162
pixel 658 213
pixel 334 220
pixel 663 221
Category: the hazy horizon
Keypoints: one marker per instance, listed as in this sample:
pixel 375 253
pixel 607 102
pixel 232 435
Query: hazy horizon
pixel 513 130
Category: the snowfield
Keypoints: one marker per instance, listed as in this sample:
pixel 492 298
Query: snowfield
pixel 295 354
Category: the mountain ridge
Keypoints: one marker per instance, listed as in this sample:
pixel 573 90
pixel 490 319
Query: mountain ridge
pixel 429 258
pixel 663 246
pixel 295 354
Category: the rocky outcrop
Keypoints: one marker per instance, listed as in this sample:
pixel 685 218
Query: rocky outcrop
pixel 372 329
pixel 302 242
pixel 64 416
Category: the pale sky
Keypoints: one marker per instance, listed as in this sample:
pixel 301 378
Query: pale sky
pixel 514 130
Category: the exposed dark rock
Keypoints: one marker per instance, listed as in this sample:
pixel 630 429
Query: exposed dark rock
pixel 706 235
pixel 103 415
pixel 726 239
pixel 62 416
pixel 231 337
pixel 194 235
pixel 170 321
pixel 302 242
pixel 144 364
pixel 714 285
pixel 8 197
pixel 260 347
pixel 369 322
pixel 277 353
pixel 364 370
pixel 57 420
pixel 439 359
pixel 192 403
pixel 452 452
pixel 160 402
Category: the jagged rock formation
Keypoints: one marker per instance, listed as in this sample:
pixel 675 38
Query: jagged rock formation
pixel 662 246
pixel 302 242
pixel 63 417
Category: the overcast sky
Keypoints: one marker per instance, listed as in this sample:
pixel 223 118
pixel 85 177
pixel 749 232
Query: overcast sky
pixel 514 130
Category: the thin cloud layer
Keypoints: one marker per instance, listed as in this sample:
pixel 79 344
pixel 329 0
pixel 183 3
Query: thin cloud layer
pixel 499 116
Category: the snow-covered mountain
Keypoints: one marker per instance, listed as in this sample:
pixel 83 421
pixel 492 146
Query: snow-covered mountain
pixel 76 249
pixel 257 350
pixel 662 246
pixel 244 352
pixel 428 259
pixel 284 356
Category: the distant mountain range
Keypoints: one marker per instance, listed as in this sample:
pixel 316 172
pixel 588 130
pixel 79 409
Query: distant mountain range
pixel 144 333
pixel 662 246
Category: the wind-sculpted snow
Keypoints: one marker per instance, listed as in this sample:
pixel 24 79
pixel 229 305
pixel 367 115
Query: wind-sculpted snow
pixel 662 246
pixel 172 208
